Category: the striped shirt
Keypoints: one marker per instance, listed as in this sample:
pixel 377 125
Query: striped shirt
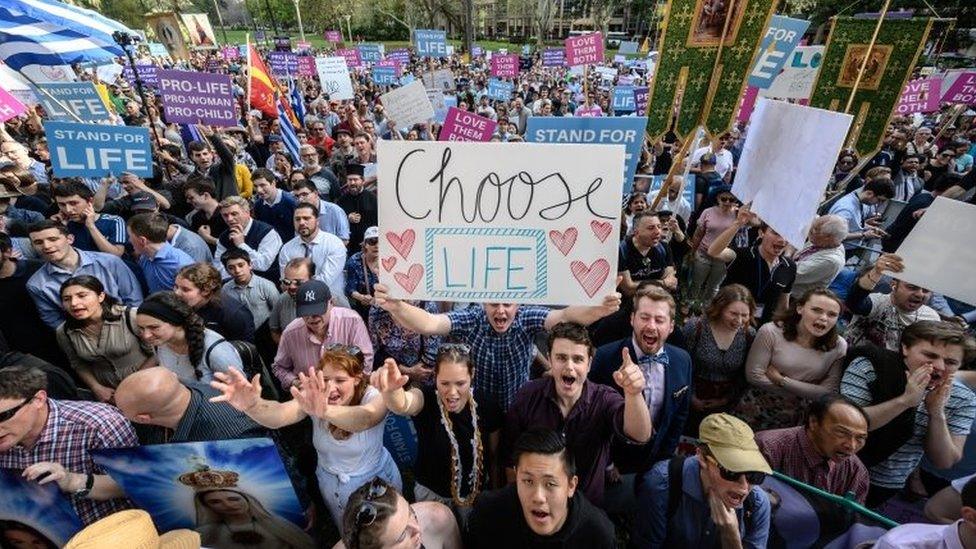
pixel 892 473
pixel 300 349
pixel 72 430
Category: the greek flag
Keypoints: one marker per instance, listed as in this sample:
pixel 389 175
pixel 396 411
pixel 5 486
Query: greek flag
pixel 288 135
pixel 48 33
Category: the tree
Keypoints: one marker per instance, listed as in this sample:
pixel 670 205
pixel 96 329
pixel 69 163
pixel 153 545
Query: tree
pixel 542 20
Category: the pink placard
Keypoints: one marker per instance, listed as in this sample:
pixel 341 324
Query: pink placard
pixel 584 50
pixel 747 104
pixel 505 66
pixel 10 106
pixel 306 65
pixel 390 63
pixel 353 60
pixel 230 53
pixel 920 96
pixel 333 36
pixel 466 126
pixel 963 90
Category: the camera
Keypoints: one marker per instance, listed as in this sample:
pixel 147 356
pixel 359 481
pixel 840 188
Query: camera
pixel 125 39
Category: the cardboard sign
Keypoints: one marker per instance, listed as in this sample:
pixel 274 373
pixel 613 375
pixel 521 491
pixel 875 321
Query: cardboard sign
pixel 623 99
pixel 306 65
pixel 79 98
pixel 554 57
pixel 500 90
pixel 584 50
pixel 782 36
pixel 283 63
pixel 466 126
pixel 627 131
pixel 370 53
pixel 439 103
pixel 351 55
pixel 400 55
pixel 333 36
pixel 97 150
pixel 230 53
pixel 198 97
pixel 441 79
pixel 798 76
pixel 505 66
pixel 628 48
pixel 939 253
pixel 334 77
pixel 963 90
pixel 430 43
pixel 10 106
pixel 920 95
pixel 786 189
pixel 384 76
pixel 458 225
pixel 34 515
pixel 408 105
pixel 640 100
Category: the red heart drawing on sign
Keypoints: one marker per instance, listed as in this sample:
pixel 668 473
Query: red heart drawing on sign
pixel 402 242
pixel 601 229
pixel 590 278
pixel 410 280
pixel 389 263
pixel 565 240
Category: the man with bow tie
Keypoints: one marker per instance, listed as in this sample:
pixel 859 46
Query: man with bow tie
pixel 667 375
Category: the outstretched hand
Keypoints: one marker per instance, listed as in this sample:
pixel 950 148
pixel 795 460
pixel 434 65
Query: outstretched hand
pixel 237 390
pixel 390 381
pixel 312 392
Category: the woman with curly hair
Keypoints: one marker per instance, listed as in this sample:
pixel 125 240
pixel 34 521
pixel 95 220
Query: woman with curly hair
pixel 199 286
pixel 182 343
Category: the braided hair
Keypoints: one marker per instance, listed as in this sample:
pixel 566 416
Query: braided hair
pixel 185 317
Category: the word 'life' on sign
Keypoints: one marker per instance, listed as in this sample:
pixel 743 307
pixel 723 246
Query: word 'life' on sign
pixel 97 150
pixel 64 99
pixel 430 43
pixel 456 224
pixel 198 97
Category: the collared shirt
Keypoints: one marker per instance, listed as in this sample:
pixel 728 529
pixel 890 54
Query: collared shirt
pixel 653 379
pixel 816 267
pixel 503 359
pixel 596 417
pixel 299 348
pixel 262 258
pixel 71 431
pixel 328 253
pixel 282 313
pixel 333 219
pixel 790 451
pixel 193 244
pixel 259 295
pixel 203 421
pixel 922 536
pixel 45 285
pixel 160 270
pixel 850 208
pixel 692 525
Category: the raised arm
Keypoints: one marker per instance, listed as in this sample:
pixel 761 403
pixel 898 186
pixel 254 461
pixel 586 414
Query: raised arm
pixel 585 315
pixel 409 317
pixel 312 396
pixel 245 396
pixel 719 248
pixel 390 382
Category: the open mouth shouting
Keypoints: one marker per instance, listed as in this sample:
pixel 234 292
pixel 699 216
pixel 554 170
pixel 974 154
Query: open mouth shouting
pixel 567 381
pixel 540 516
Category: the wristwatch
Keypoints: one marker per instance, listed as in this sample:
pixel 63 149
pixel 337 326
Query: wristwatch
pixel 89 483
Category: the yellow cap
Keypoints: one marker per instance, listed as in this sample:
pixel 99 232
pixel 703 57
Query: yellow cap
pixel 733 444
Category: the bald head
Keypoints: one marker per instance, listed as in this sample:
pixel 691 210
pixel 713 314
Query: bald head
pixel 153 396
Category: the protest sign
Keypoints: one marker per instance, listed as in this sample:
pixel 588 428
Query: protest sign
pixel 798 76
pixel 230 53
pixel 79 98
pixel 333 36
pixel 260 35
pixel 782 36
pixel 408 105
pixel 477 50
pixel 619 58
pixel 149 74
pixel 198 97
pixel 283 63
pixel 627 47
pixel 500 90
pixel 627 131
pixel 400 55
pixel 785 189
pixel 108 72
pixel 606 73
pixel 157 49
pixel 33 515
pixel 939 252
pixel 370 53
pixel 430 43
pixel 334 77
pixel 505 66
pixel 441 79
pixel 963 90
pixel 10 106
pixel 554 57
pixel 94 150
pixel 466 126
pixel 920 95
pixel 543 232
pixel 306 65
pixel 439 103
pixel 584 50
pixel 640 100
pixel 389 63
pixel 384 76
pixel 282 43
pixel 625 80
pixel 170 481
pixel 304 47
pixel 623 99
pixel 351 55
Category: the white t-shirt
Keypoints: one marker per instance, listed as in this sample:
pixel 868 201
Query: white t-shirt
pixel 723 159
pixel 358 454
pixel 223 356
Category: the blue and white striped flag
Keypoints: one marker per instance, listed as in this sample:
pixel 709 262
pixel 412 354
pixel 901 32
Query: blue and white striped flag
pixel 297 102
pixel 289 136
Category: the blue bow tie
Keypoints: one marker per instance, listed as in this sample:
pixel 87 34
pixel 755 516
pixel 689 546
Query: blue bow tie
pixel 660 358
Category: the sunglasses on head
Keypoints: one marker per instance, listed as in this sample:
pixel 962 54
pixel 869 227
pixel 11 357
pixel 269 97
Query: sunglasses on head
pixel 752 477
pixel 351 349
pixel 368 510
pixel 460 348
pixel 8 414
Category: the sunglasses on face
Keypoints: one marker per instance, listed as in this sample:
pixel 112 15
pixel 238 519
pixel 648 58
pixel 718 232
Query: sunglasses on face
pixel 368 510
pixel 8 414
pixel 290 282
pixel 727 200
pixel 371 241
pixel 752 477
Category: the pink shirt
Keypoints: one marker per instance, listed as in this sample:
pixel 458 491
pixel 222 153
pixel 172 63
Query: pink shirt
pixel 594 110
pixel 713 221
pixel 299 348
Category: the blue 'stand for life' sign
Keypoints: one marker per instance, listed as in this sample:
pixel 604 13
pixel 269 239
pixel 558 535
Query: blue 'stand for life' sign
pixel 623 99
pixel 384 76
pixel 430 43
pixel 95 150
pixel 79 98
pixel 782 36
pixel 500 90
pixel 370 53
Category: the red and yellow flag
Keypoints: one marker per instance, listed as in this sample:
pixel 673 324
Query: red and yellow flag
pixel 262 86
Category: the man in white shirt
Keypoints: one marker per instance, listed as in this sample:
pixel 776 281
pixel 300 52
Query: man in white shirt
pixel 958 535
pixel 325 250
pixel 723 158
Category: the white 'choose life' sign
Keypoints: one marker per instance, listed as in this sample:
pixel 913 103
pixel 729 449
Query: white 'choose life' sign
pixel 457 224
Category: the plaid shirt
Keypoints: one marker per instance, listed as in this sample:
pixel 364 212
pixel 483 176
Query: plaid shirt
pixel 791 452
pixel 72 429
pixel 503 360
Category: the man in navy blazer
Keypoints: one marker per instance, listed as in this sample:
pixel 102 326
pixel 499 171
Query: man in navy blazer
pixel 667 375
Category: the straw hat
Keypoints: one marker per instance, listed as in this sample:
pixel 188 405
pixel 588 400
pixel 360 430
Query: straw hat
pixel 132 529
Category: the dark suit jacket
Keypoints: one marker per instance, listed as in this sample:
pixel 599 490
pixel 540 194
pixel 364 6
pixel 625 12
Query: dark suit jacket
pixel 669 423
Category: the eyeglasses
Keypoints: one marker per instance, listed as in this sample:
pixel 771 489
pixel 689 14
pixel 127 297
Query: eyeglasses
pixel 372 241
pixel 9 414
pixel 947 155
pixel 752 477
pixel 291 282
pixel 728 199
pixel 368 510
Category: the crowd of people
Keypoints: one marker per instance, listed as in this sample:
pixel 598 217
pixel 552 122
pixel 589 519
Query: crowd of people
pixel 235 294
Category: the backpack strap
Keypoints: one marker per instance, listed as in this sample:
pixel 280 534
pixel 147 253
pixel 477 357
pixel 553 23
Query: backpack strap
pixel 128 321
pixel 675 484
pixel 206 354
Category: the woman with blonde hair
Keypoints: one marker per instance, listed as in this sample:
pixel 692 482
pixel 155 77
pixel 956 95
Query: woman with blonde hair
pixel 347 420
